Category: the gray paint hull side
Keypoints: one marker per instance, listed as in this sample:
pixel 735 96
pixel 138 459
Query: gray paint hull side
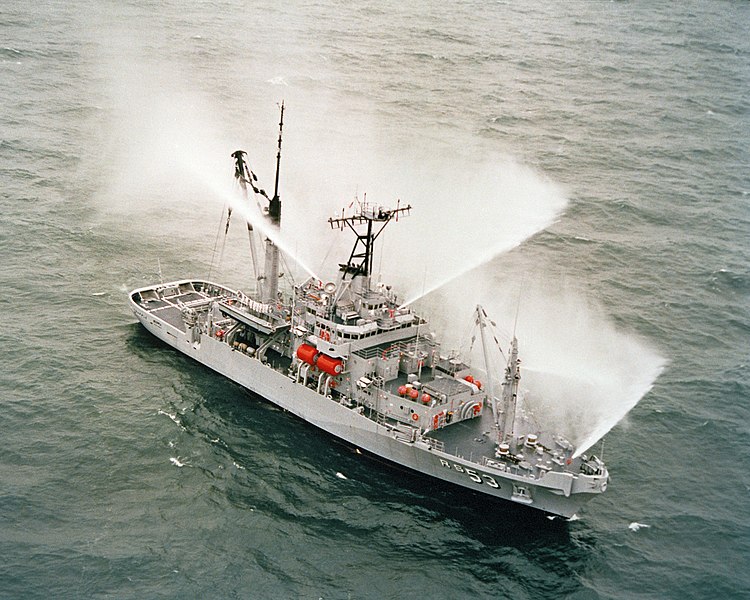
pixel 354 428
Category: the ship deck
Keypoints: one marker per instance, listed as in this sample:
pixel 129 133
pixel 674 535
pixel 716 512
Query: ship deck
pixel 166 302
pixel 471 439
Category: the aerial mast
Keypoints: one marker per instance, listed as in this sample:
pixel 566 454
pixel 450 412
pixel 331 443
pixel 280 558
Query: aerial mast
pixel 510 390
pixel 269 279
pixel 485 350
pixel 243 175
pixel 274 209
pixel 271 271
pixel 375 218
pixel 504 418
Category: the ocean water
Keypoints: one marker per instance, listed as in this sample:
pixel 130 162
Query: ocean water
pixel 586 161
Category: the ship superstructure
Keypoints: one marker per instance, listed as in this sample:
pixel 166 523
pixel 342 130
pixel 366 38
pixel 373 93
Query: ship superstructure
pixel 348 357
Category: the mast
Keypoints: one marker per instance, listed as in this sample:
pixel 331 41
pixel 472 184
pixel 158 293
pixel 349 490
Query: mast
pixel 510 383
pixel 485 351
pixel 375 219
pixel 274 209
pixel 271 270
pixel 510 390
pixel 242 174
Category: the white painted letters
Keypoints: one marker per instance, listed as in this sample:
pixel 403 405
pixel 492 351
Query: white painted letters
pixel 473 475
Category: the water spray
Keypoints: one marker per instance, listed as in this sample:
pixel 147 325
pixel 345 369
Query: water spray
pixel 250 211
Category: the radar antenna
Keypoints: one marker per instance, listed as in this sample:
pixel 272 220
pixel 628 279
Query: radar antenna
pixel 375 218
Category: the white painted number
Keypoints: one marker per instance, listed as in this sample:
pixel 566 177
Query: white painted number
pixel 473 475
pixel 490 481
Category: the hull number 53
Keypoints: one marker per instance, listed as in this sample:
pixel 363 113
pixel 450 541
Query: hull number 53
pixel 473 475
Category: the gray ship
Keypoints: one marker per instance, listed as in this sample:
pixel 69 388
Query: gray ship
pixel 349 358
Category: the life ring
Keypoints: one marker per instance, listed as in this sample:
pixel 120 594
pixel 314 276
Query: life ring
pixel 477 409
pixel 324 335
pixel 414 417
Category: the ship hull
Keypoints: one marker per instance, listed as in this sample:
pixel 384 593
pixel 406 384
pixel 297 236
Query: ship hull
pixel 356 429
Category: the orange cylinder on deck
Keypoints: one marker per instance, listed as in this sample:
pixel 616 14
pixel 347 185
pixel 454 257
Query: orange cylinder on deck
pixel 332 366
pixel 413 393
pixel 478 383
pixel 307 353
pixel 426 398
pixel 402 390
pixel 469 378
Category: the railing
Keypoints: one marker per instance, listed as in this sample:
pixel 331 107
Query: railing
pixel 392 349
pixel 438 445
pixel 512 469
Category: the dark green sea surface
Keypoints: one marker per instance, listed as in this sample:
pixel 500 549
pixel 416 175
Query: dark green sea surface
pixel 128 471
